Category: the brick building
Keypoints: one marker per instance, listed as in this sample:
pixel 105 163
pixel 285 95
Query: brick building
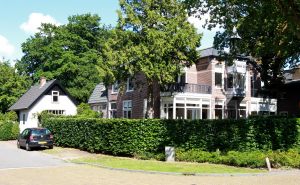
pixel 289 101
pixel 207 90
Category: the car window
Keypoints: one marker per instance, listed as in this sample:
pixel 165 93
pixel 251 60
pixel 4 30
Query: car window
pixel 25 132
pixel 40 132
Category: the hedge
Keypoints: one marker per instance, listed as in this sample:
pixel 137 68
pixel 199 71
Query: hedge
pixel 9 130
pixel 133 136
pixel 254 159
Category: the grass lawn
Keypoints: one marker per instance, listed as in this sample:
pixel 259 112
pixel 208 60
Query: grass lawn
pixel 75 155
pixel 149 165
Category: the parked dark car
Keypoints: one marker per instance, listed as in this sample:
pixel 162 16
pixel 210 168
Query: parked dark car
pixel 35 138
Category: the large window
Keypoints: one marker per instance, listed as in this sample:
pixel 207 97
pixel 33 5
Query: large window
pixel 112 110
pixel 218 79
pixel 218 111
pixel 55 95
pixel 127 108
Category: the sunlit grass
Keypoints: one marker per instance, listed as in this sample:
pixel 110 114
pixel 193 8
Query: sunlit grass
pixel 158 166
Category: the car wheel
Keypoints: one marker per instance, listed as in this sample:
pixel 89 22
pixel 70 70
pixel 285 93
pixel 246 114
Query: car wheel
pixel 51 147
pixel 28 147
pixel 18 144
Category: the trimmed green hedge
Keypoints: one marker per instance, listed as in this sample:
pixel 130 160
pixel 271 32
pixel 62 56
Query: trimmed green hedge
pixel 9 130
pixel 132 136
pixel 254 159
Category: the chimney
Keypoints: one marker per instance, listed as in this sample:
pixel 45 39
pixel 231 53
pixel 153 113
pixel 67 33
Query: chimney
pixel 42 81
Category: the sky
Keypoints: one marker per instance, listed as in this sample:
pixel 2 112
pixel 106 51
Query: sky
pixel 19 19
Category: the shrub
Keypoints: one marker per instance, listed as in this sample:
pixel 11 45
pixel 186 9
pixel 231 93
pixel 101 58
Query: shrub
pixel 137 136
pixel 253 159
pixel 84 110
pixel 9 130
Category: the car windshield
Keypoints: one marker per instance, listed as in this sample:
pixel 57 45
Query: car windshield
pixel 40 132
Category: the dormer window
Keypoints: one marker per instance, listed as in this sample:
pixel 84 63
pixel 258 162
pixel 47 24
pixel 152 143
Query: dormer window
pixel 55 95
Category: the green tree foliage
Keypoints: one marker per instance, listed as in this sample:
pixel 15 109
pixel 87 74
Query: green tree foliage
pixel 68 53
pixel 84 110
pixel 152 37
pixel 269 31
pixel 12 86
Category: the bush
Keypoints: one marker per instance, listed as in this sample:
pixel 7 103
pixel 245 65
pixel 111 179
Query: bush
pixel 133 136
pixel 84 110
pixel 9 130
pixel 253 159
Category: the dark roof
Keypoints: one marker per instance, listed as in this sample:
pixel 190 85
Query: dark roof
pixel 209 52
pixel 99 94
pixel 34 94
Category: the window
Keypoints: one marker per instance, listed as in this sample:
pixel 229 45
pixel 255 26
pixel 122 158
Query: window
pixel 218 79
pixel 57 112
pixel 112 110
pixel 55 95
pixel 218 111
pixel 115 87
pixel 24 119
pixel 230 81
pixel 129 84
pixel 127 108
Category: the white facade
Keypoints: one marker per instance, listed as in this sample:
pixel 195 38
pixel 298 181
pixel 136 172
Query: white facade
pixel 216 92
pixel 64 105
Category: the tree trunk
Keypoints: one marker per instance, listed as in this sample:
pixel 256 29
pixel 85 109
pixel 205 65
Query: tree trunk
pixel 150 101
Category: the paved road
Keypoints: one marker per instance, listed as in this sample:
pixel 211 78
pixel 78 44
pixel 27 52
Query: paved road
pixel 19 167
pixel 11 157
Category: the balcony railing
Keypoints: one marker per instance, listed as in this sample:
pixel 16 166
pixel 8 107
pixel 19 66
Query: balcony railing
pixel 236 92
pixel 187 88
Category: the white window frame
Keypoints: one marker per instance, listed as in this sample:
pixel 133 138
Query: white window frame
pixel 55 93
pixel 112 110
pixel 221 85
pixel 115 88
pixel 127 107
pixel 57 112
pixel 128 89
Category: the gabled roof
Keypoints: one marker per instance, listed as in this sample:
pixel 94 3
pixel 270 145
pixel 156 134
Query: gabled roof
pixel 34 94
pixel 99 94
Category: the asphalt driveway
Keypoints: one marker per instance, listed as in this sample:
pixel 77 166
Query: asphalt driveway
pixel 19 167
pixel 11 157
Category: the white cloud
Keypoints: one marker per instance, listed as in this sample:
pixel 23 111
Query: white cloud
pixel 6 48
pixel 35 20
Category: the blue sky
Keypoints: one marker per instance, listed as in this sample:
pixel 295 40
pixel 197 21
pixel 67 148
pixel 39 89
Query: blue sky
pixel 19 19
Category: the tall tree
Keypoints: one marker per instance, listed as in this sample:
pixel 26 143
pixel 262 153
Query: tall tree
pixel 152 37
pixel 69 53
pixel 12 86
pixel 269 31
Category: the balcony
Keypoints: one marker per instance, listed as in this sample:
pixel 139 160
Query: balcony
pixel 236 92
pixel 186 88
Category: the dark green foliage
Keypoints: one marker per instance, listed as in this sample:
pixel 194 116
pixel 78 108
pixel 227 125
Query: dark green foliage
pixel 12 86
pixel 8 130
pixel 129 137
pixel 71 53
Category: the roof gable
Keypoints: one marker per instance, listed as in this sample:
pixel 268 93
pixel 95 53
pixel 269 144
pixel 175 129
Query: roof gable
pixel 99 94
pixel 35 93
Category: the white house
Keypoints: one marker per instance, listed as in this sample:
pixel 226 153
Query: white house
pixel 49 96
